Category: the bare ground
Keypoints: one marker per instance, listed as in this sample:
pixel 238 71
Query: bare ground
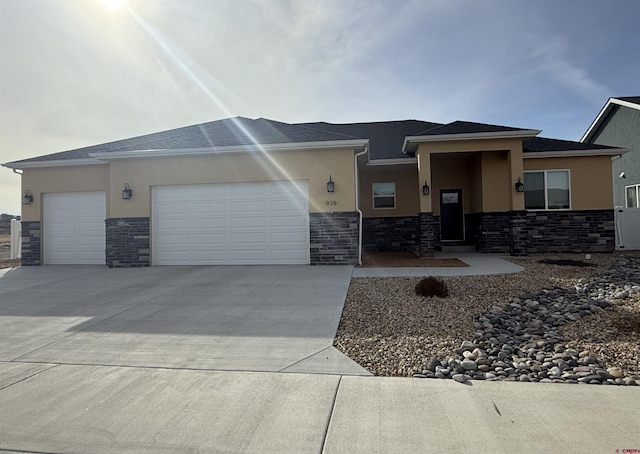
pixel 391 331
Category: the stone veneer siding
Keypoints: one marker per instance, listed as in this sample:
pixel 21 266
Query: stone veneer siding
pixel 570 231
pixel 333 238
pixel 31 243
pixel 524 232
pixel 429 233
pixel 492 231
pixel 127 242
pixel 391 234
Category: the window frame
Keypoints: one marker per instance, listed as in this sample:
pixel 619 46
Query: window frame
pixel 374 197
pixel 626 199
pixel 546 194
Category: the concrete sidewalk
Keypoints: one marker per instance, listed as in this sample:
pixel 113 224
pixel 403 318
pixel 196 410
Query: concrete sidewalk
pixel 480 264
pixel 64 408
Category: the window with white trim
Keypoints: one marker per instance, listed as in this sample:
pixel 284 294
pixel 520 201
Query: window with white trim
pixel 384 195
pixel 547 190
pixel 633 196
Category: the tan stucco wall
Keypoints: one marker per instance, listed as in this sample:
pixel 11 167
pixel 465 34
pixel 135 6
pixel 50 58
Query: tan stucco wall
pixel 591 179
pixel 496 182
pixel 408 189
pixel 501 162
pixel 314 166
pixel 61 179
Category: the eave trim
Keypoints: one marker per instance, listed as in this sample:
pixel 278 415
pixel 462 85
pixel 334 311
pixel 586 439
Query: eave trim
pixel 603 113
pixel 392 162
pixel 411 142
pixel 573 153
pixel 53 163
pixel 179 152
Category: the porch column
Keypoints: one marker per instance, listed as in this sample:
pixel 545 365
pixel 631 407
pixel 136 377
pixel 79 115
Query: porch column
pixel 424 174
pixel 429 225
pixel 516 171
pixel 518 221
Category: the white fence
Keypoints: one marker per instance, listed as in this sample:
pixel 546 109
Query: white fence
pixel 16 239
pixel 627 229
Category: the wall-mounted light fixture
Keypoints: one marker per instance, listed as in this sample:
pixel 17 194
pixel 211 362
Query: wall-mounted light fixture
pixel 425 188
pixel 331 186
pixel 27 198
pixel 127 192
pixel 519 185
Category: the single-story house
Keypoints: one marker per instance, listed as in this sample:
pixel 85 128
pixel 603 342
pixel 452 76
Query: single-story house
pixel 618 124
pixel 258 191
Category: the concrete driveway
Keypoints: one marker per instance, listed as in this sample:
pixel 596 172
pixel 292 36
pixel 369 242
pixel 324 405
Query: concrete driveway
pixel 240 318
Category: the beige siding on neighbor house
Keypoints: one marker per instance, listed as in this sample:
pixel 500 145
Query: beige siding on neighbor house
pixel 408 189
pixel 61 179
pixel 315 166
pixel 591 179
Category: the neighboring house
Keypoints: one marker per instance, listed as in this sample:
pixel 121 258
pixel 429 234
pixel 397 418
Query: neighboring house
pixel 618 124
pixel 244 191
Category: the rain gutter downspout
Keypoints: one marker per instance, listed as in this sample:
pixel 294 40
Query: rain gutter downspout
pixel 16 171
pixel 355 159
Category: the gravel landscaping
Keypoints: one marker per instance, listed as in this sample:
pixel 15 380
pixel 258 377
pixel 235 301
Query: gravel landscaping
pixel 550 323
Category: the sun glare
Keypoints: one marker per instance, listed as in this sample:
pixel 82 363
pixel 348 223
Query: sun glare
pixel 113 4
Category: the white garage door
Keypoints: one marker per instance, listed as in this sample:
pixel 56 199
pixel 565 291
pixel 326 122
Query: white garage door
pixel 231 223
pixel 73 228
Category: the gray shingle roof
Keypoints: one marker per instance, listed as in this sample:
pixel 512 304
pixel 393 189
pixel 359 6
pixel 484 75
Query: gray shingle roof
pixel 385 137
pixel 228 132
pixel 467 127
pixel 540 144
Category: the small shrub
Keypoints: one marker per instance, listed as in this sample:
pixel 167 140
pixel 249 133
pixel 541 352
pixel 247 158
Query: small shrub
pixel 431 286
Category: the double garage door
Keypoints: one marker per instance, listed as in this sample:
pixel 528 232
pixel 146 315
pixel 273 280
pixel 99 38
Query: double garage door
pixel 231 223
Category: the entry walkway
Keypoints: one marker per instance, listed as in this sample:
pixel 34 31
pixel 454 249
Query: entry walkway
pixel 479 264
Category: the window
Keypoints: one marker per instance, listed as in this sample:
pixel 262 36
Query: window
pixel 633 196
pixel 384 195
pixel 547 190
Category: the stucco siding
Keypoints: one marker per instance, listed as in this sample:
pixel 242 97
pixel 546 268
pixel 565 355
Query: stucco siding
pixel 591 185
pixel 408 189
pixel 61 179
pixel 313 166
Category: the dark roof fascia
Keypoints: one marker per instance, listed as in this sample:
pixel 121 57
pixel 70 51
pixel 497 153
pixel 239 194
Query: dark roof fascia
pixel 608 108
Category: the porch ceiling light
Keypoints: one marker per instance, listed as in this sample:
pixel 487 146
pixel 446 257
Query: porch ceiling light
pixel 519 185
pixel 425 188
pixel 127 192
pixel 27 198
pixel 331 186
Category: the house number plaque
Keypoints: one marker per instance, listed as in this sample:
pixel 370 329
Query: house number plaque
pixel 331 202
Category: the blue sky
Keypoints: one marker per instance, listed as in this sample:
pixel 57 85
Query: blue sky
pixel 79 72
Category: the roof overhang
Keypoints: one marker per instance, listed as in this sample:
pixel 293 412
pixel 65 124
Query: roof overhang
pixel 357 145
pixel 411 142
pixel 392 162
pixel 103 157
pixel 574 153
pixel 53 163
pixel 611 103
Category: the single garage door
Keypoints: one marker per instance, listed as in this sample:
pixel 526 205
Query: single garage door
pixel 231 223
pixel 73 228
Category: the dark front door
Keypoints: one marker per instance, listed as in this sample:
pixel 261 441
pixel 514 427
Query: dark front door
pixel 451 215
